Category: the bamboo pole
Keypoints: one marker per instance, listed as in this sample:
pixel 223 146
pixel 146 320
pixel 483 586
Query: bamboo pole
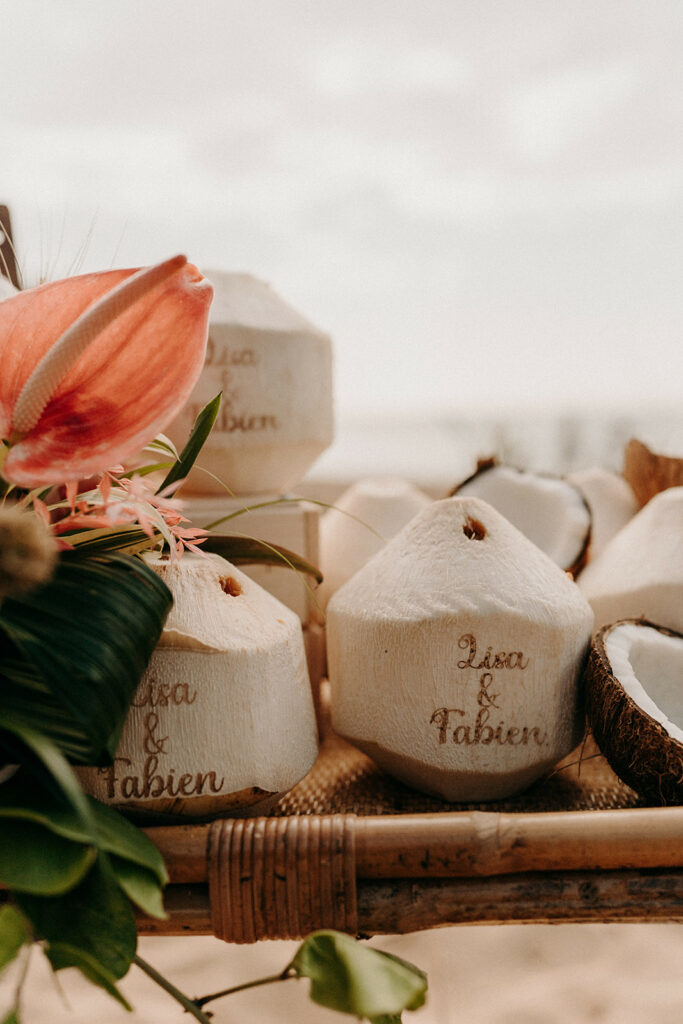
pixel 397 907
pixel 478 843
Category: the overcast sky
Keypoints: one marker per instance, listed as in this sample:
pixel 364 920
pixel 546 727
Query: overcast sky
pixel 480 201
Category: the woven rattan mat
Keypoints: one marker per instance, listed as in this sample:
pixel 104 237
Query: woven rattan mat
pixel 343 780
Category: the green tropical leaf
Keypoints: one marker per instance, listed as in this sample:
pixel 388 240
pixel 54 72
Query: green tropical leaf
pixel 65 792
pixel 128 539
pixel 249 551
pixel 72 652
pixel 163 445
pixel 95 919
pixel 61 955
pixel 11 1017
pixel 353 978
pixel 140 885
pixel 203 426
pixel 152 467
pixel 15 931
pixel 118 836
pixel 25 799
pixel 27 807
pixel 35 860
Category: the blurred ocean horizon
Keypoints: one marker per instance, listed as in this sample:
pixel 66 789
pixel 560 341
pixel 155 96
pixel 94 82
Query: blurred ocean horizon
pixel 437 453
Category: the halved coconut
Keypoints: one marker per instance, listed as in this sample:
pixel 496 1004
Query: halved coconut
pixel 649 473
pixel 611 501
pixel 549 510
pixel 634 702
pixel 223 717
pixel 640 572
pixel 363 519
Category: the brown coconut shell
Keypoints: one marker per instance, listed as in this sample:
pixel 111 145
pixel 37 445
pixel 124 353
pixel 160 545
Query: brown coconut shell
pixel 637 747
pixel 491 462
pixel 649 473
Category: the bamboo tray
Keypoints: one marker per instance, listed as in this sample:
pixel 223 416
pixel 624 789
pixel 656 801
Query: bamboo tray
pixel 350 848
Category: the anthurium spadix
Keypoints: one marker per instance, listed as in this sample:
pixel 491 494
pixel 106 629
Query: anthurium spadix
pixel 94 366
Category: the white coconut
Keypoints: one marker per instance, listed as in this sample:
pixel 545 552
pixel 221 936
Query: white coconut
pixel 548 510
pixel 224 710
pixel 274 370
pixel 640 572
pixel 454 655
pixel 364 518
pixel 611 501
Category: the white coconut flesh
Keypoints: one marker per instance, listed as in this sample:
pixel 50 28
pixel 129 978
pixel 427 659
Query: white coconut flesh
pixel 649 666
pixel 549 511
pixel 611 501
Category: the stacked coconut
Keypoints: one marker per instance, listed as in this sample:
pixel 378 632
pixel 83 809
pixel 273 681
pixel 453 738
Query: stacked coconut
pixel 223 721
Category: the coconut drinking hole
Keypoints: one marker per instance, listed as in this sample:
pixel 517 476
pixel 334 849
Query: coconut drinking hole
pixel 230 586
pixel 473 529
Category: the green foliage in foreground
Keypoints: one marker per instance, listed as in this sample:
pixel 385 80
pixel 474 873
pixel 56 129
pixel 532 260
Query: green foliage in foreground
pixel 352 978
pixel 71 656
pixel 72 653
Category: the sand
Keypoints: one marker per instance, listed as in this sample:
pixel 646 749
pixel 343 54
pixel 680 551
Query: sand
pixel 563 974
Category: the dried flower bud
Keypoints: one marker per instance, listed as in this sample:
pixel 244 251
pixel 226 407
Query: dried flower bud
pixel 27 552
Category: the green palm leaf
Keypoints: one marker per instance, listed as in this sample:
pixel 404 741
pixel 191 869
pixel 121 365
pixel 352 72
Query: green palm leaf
pixel 200 431
pixel 72 652
pixel 250 551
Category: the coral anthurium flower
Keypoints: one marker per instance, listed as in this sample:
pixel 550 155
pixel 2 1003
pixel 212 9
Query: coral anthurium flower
pixel 92 367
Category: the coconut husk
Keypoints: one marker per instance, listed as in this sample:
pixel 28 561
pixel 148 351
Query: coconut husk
pixel 638 749
pixel 649 473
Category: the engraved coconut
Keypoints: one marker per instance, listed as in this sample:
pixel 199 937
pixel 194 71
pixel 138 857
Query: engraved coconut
pixel 274 370
pixel 455 654
pixel 222 721
pixel 363 519
pixel 640 572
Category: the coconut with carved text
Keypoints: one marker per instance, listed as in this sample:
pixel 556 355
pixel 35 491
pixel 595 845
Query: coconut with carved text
pixel 223 720
pixel 455 655
pixel 274 371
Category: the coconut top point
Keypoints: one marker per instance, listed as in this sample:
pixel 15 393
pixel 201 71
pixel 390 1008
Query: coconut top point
pixel 94 366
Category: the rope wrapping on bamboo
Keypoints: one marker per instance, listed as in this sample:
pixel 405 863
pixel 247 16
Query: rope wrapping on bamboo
pixel 281 878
